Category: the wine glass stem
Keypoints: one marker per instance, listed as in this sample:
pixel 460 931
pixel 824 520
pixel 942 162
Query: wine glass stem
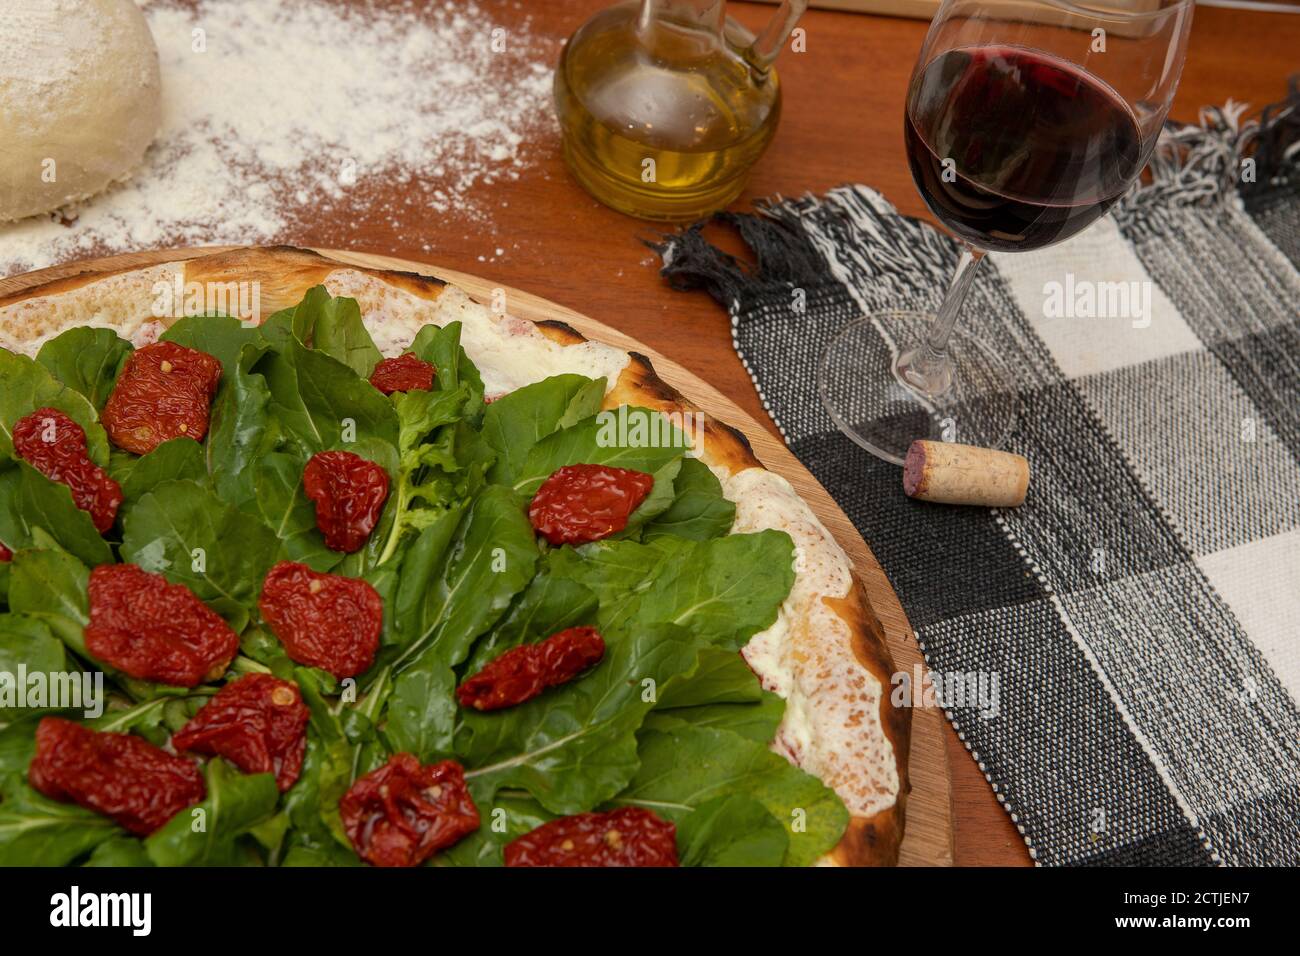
pixel 928 366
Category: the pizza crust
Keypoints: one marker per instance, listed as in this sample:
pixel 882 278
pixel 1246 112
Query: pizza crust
pixel 826 654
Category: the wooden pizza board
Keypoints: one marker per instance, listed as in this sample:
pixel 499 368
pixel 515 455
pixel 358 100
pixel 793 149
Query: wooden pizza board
pixel 927 840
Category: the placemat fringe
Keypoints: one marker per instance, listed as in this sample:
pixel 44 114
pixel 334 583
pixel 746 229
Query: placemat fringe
pixel 1205 163
pixel 784 257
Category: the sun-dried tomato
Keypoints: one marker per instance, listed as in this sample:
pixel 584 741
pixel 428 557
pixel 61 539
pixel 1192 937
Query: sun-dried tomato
pixel 258 723
pixel 154 630
pixel 406 373
pixel 628 836
pixel 349 492
pixel 165 391
pixel 581 503
pixel 121 776
pixel 523 672
pixel 55 445
pixel 323 620
pixel 403 813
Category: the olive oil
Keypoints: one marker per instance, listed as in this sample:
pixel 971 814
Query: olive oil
pixel 662 118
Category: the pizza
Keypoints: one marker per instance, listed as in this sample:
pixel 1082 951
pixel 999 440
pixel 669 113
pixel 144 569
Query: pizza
pixel 394 577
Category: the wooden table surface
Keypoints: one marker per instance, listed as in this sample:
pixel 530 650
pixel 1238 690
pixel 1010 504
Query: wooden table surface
pixel 842 122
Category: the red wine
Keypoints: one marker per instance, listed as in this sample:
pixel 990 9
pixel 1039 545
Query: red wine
pixel 1015 149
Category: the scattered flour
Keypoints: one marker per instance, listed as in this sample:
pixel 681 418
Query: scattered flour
pixel 282 113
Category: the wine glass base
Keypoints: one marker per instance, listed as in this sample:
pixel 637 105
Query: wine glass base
pixel 859 384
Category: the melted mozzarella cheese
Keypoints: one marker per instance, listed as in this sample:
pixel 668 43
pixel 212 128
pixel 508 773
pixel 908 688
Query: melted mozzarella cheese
pixel 831 726
pixel 509 352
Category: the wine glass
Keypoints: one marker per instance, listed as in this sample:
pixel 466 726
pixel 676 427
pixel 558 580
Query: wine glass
pixel 1025 121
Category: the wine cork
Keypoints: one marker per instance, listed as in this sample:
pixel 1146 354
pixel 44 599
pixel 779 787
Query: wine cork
pixel 964 475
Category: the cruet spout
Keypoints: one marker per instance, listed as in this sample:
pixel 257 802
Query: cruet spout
pixel 708 18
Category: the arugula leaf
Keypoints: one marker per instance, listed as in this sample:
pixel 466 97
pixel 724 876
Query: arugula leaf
pixel 186 533
pixel 120 851
pixel 442 459
pixel 221 336
pixel 295 322
pixel 259 644
pixel 405 593
pixel 17 746
pixel 618 572
pixel 733 830
pixel 234 804
pixel 326 854
pixel 258 446
pixel 50 586
pixel 172 460
pixel 660 498
pixel 683 766
pixel 330 325
pixel 86 360
pixel 26 641
pixel 242 431
pixel 440 347
pixel 337 330
pixel 341 746
pixel 516 422
pixel 38 831
pixel 723 589
pixel 436 467
pixel 723 677
pixel 757 722
pixel 322 403
pixel 30 504
pixel 587 401
pixel 419 412
pixel 575 746
pixel 324 769
pixel 699 511
pixel 29 386
pixel 422 712
pixel 723 693
pixel 455 586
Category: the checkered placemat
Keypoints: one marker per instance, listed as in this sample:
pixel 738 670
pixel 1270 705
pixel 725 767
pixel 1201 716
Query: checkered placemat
pixel 1141 611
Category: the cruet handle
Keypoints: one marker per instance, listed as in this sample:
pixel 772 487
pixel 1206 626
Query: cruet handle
pixel 767 45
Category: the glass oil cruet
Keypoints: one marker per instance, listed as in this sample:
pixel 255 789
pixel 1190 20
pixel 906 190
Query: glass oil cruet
pixel 664 105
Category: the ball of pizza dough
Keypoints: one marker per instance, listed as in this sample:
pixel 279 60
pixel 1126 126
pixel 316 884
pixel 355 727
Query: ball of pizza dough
pixel 79 100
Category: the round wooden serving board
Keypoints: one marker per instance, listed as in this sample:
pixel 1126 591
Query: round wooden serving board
pixel 927 840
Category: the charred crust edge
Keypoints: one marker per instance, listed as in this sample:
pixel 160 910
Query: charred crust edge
pixel 561 332
pixel 875 840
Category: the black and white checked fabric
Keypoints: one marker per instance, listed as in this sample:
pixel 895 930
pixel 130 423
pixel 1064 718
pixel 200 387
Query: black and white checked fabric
pixel 1142 609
